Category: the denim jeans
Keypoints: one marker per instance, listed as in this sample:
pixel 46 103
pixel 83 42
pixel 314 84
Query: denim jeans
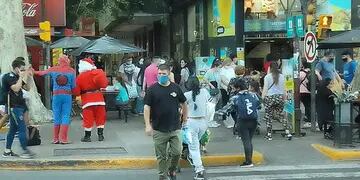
pixel 197 128
pixel 247 129
pixel 17 123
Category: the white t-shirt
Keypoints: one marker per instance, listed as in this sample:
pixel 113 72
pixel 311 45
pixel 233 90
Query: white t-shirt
pixel 201 99
pixel 227 73
pixel 272 88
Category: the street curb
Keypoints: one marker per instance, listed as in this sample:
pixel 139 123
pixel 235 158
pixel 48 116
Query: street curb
pixel 337 154
pixel 123 163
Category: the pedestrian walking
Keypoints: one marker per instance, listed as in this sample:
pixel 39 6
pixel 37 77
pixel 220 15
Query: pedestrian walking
pixel 185 73
pixel 246 106
pixel 305 94
pixel 197 123
pixel 13 84
pixel 163 121
pixel 63 82
pixel 274 95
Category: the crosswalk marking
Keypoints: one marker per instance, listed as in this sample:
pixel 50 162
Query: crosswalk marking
pixel 289 176
pixel 282 168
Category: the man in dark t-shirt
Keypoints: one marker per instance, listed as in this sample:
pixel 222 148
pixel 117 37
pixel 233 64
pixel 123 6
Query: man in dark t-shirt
pixel 162 102
pixel 12 84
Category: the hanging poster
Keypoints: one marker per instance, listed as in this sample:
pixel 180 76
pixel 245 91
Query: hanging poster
pixel 340 11
pixel 203 64
pixel 288 72
pixel 222 18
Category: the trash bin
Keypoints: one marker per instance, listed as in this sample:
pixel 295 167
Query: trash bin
pixel 343 124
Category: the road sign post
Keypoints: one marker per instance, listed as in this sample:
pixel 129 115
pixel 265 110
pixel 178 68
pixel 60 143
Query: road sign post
pixel 310 45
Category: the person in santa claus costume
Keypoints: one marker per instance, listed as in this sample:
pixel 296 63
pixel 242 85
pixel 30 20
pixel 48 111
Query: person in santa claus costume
pixel 63 82
pixel 88 85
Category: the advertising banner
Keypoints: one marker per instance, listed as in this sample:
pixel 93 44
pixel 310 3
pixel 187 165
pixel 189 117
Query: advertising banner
pixel 222 18
pixel 55 12
pixel 203 64
pixel 288 72
pixel 340 11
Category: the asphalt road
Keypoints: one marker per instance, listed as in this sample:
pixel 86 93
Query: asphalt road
pixel 334 171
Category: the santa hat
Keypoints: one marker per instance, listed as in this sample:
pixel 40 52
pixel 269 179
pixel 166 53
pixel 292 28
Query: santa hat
pixel 86 64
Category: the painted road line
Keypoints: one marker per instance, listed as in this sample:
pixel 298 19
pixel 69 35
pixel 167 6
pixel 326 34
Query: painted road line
pixel 291 176
pixel 282 168
pixel 337 154
pixel 123 163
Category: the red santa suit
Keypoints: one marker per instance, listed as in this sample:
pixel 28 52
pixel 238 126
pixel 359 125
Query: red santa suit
pixel 88 85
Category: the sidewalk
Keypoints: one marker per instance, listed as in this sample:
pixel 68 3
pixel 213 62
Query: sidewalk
pixel 127 147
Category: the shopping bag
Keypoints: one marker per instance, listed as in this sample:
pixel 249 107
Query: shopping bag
pixel 205 138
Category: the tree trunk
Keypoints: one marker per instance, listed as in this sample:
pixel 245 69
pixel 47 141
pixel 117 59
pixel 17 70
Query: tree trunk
pixel 12 45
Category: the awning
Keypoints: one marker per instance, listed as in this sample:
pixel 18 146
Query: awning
pixel 69 42
pixel 107 45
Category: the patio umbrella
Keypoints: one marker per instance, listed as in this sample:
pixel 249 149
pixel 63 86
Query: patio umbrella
pixel 349 39
pixel 33 42
pixel 69 42
pixel 107 45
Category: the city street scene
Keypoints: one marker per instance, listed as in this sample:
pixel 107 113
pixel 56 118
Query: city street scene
pixel 180 89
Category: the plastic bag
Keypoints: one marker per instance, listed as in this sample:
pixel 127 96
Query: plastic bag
pixel 186 135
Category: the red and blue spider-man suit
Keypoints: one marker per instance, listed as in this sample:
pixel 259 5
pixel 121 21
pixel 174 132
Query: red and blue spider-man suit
pixel 63 82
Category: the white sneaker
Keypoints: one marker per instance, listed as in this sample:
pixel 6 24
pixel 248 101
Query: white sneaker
pixel 307 125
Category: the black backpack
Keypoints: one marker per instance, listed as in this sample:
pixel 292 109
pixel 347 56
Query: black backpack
pixel 34 136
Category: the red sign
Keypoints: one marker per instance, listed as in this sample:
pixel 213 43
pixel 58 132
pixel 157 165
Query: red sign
pixel 310 45
pixel 55 12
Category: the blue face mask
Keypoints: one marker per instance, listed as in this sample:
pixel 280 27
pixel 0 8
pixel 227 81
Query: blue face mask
pixel 163 80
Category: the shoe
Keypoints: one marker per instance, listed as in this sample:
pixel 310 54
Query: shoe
pixel 27 155
pixel 56 130
pixel 172 175
pixel 10 154
pixel 64 134
pixel 199 176
pixel 289 137
pixel 247 165
pixel 87 137
pixel 214 125
pixel 268 137
pixel 101 134
pixel 307 125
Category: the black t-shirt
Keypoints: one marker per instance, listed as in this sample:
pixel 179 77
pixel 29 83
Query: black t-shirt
pixel 164 102
pixel 16 99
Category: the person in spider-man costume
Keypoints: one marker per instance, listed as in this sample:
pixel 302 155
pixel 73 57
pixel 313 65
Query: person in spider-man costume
pixel 88 85
pixel 63 82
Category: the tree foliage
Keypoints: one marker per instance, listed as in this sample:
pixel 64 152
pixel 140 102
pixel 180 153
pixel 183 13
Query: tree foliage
pixel 117 8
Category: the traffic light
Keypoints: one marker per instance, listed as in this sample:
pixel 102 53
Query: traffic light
pixel 311 9
pixel 324 26
pixel 45 31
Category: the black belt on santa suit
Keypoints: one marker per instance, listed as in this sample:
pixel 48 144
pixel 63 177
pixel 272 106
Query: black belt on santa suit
pixel 90 91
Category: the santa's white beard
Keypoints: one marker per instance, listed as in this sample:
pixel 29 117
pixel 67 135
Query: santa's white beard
pixel 85 66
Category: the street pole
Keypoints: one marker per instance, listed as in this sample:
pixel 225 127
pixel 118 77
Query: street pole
pixel 239 24
pixel 46 58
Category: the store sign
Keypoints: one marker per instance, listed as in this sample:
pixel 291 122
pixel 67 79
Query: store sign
pixel 54 12
pixel 290 27
pixel 259 25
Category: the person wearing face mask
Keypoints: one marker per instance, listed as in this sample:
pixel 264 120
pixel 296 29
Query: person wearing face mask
pixel 326 67
pixel 13 83
pixel 349 68
pixel 163 121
